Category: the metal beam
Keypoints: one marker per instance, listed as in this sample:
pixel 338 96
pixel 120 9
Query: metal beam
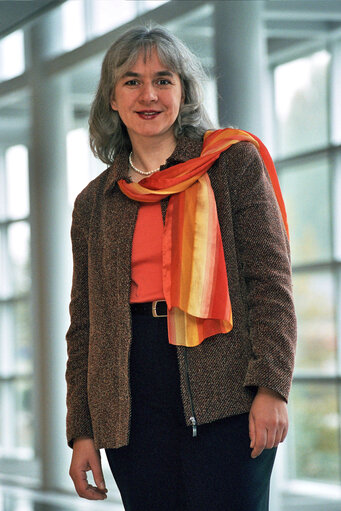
pixel 285 29
pixel 305 10
pixel 303 48
pixel 98 46
pixel 14 13
pixel 9 88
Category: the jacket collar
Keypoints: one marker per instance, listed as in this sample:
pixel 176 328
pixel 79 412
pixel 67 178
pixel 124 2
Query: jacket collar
pixel 185 149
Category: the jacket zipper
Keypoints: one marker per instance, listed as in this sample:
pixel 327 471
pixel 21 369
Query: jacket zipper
pixel 192 419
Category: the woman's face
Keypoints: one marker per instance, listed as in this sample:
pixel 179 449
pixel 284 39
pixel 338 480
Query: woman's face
pixel 148 98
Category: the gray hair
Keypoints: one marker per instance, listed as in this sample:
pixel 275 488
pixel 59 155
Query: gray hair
pixel 108 134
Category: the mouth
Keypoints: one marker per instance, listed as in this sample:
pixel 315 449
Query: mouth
pixel 148 114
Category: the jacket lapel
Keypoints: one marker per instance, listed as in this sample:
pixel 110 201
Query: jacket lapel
pixel 118 220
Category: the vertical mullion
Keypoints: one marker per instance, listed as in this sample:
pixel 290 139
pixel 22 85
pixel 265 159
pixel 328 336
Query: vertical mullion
pixel 336 213
pixel 334 110
pixel 2 184
pixel 88 18
pixel 338 352
pixel 337 257
pixel 333 200
pixel 334 95
pixel 336 198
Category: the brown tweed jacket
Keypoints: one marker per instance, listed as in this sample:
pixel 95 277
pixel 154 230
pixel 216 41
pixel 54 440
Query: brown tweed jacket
pixel 219 377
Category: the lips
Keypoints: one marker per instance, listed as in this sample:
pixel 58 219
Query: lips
pixel 148 114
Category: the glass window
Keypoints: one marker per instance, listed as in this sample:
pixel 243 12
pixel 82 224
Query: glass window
pixel 78 162
pixel 7 407
pixel 107 15
pixel 23 392
pixel 12 60
pixel 151 4
pixel 314 295
pixel 19 256
pixel 73 24
pixel 306 192
pixel 314 432
pixel 5 281
pixel 16 437
pixel 17 191
pixel 16 347
pixel 22 338
pixel 301 89
pixel 7 360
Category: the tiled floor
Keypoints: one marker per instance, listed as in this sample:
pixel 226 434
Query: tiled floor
pixel 20 499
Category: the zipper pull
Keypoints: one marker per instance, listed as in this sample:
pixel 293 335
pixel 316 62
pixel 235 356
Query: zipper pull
pixel 194 425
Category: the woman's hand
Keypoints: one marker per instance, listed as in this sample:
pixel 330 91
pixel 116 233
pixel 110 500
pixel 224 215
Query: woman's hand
pixel 86 457
pixel 268 421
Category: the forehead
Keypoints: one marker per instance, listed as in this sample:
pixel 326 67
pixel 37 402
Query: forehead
pixel 146 59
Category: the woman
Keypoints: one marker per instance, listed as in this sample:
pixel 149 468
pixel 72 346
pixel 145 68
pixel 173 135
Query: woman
pixel 182 335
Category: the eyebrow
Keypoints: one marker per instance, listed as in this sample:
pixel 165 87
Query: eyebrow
pixel 137 75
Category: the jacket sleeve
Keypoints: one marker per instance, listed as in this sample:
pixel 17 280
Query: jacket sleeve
pixel 264 258
pixel 78 420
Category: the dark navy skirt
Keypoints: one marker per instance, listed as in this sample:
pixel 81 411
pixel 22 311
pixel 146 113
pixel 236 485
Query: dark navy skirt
pixel 165 468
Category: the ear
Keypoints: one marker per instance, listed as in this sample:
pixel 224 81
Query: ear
pixel 113 104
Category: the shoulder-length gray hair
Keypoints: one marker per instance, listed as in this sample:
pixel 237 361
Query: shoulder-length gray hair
pixel 108 135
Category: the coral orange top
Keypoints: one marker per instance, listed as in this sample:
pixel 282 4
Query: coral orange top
pixel 194 267
pixel 146 259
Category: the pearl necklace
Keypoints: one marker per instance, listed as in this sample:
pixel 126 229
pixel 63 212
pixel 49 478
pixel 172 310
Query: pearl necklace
pixel 144 173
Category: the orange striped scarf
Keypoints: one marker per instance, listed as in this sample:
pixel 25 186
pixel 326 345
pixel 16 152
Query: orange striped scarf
pixel 194 271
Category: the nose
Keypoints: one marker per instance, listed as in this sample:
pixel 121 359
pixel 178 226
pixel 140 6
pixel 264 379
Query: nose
pixel 148 94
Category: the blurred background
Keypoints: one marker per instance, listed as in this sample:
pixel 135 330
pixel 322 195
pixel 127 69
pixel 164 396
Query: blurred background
pixel 274 69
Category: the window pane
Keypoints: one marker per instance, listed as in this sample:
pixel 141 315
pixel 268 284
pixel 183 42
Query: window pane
pixel 301 103
pixel 17 182
pixel 147 5
pixel 78 162
pixel 12 61
pixel 23 338
pixel 107 15
pixel 314 433
pixel 7 408
pixel 19 256
pixel 16 432
pixel 7 356
pixel 314 296
pixel 16 349
pixel 5 287
pixel 24 417
pixel 306 191
pixel 73 24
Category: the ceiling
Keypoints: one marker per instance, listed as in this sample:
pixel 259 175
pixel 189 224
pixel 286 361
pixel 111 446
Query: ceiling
pixel 13 14
pixel 287 22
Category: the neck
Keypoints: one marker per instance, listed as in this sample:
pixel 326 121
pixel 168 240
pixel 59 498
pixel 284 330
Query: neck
pixel 150 154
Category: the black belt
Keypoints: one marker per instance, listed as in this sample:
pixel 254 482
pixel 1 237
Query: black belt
pixel 157 308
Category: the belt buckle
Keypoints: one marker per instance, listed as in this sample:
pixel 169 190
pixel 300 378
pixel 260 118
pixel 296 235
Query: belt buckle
pixel 154 313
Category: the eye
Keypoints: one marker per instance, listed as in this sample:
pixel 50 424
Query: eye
pixel 164 81
pixel 131 82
